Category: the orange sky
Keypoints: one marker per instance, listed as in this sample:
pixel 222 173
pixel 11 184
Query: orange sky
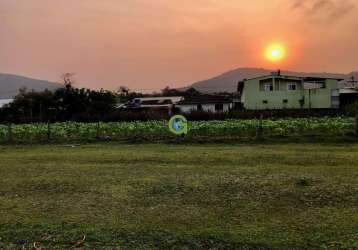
pixel 149 44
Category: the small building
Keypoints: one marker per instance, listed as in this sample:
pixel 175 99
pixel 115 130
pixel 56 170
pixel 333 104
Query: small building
pixel 152 102
pixel 206 103
pixel 161 103
pixel 278 91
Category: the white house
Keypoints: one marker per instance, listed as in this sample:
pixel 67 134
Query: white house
pixel 214 104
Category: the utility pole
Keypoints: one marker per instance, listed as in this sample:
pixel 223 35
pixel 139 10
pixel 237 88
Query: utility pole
pixel 31 111
pixel 9 132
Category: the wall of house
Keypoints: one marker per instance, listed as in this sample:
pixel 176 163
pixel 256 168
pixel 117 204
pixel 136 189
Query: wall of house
pixel 187 108
pixel 321 98
pixel 254 97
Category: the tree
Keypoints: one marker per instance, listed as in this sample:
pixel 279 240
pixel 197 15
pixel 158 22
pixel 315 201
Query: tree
pixel 32 106
pixel 124 94
pixel 192 92
pixel 167 91
pixel 68 79
pixel 123 90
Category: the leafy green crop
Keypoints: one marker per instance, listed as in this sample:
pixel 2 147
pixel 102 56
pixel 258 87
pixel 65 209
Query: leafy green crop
pixel 157 130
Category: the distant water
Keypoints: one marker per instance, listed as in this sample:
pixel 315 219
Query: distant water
pixel 5 101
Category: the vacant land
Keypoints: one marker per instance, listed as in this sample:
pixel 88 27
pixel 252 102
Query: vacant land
pixel 161 196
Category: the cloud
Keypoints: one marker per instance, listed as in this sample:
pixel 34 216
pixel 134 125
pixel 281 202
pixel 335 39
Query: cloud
pixel 326 10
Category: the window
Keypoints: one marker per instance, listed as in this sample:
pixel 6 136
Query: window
pixel 285 101
pixel 266 84
pixel 268 87
pixel 219 107
pixel 292 86
pixel 265 101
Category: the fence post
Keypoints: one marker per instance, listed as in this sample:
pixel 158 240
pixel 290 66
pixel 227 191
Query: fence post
pixel 98 130
pixel 48 131
pixel 9 132
pixel 259 131
pixel 357 122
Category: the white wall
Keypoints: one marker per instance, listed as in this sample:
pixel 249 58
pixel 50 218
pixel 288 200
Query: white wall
pixel 187 108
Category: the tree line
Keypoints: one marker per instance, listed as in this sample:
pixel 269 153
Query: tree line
pixel 69 103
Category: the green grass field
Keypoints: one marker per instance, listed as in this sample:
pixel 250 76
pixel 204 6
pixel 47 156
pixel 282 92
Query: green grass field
pixel 162 196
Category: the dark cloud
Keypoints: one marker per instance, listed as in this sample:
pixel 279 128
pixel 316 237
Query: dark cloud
pixel 329 10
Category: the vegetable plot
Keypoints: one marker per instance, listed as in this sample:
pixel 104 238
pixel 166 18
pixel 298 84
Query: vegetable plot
pixel 158 130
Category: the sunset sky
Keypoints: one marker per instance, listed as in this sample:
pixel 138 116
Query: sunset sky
pixel 149 44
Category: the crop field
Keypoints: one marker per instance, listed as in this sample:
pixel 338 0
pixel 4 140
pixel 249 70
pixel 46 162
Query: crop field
pixel 158 130
pixel 163 196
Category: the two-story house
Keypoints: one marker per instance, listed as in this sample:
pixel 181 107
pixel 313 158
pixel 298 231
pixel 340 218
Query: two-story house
pixel 278 91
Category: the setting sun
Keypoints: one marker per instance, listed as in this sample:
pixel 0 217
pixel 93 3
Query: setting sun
pixel 275 52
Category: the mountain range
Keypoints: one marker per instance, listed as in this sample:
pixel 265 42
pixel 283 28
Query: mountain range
pixel 227 82
pixel 10 85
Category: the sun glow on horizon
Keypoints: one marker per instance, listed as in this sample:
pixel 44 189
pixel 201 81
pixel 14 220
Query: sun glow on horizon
pixel 275 52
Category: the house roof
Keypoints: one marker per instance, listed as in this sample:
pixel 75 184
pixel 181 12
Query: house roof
pixel 206 100
pixel 310 78
pixel 305 78
pixel 348 91
pixel 160 98
pixel 153 101
pixel 150 103
pixel 156 102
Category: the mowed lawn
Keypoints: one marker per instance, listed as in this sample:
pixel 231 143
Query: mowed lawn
pixel 162 196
